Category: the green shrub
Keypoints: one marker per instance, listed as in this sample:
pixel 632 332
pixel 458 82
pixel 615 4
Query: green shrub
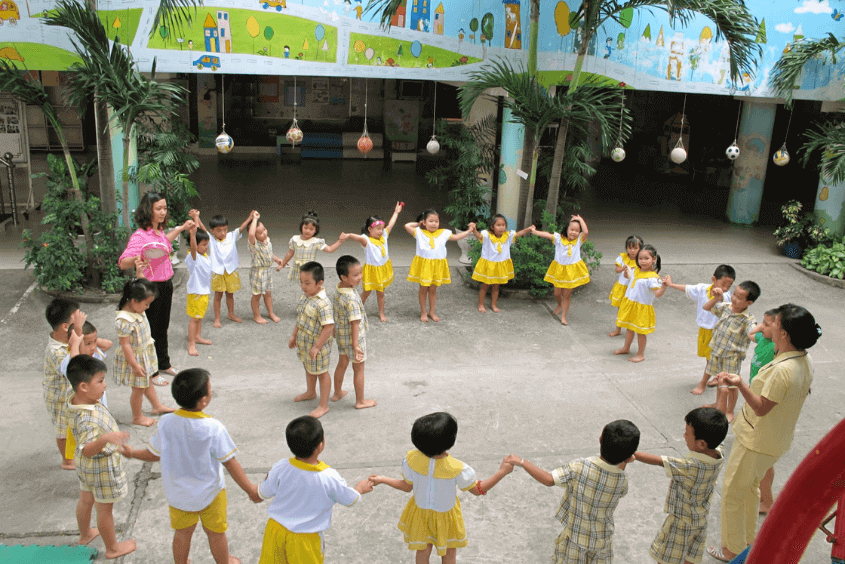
pixel 826 259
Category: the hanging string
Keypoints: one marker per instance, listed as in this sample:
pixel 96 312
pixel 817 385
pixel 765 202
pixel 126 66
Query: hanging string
pixel 366 97
pixel 434 121
pixel 736 132
pixel 680 142
pixel 223 93
pixel 621 116
pixel 787 125
pixel 295 96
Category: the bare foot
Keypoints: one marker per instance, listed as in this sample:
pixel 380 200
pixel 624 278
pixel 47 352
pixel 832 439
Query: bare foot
pixel 557 311
pixel 615 333
pixel 382 317
pixel 764 509
pixel 201 341
pixel 306 396
pixel 424 317
pixel 563 320
pixel 339 395
pixel 275 318
pixel 192 350
pixel 697 391
pixel 713 382
pixel 232 560
pixel 143 421
pixel 709 405
pixel 495 309
pixel 730 417
pixel 365 404
pixel 92 534
pixel 217 323
pixel 121 549
pixel 481 309
pixel 637 358
pixel 260 320
pixel 622 351
pixel 434 317
pixel 235 318
pixel 319 412
pixel 67 464
pixel 162 410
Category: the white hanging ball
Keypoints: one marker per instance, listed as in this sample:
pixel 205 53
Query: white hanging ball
pixel 732 152
pixel 781 156
pixel 678 155
pixel 433 146
pixel 618 154
pixel 224 143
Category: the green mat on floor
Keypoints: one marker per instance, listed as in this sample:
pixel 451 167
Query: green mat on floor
pixel 33 554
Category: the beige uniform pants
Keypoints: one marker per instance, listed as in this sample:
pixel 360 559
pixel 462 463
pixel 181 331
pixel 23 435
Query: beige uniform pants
pixel 741 496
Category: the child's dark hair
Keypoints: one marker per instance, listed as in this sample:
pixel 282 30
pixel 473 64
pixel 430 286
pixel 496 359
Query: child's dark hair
pixel 58 311
pixel 800 325
pixel 634 240
pixel 87 329
pixel 217 221
pixel 344 263
pixel 82 368
pixel 724 271
pixel 496 218
pixel 424 215
pixel 202 235
pixel 310 217
pixel 304 434
pixel 138 289
pixel 653 252
pixel 709 425
pixel 772 312
pixel 370 220
pixel 434 433
pixel 316 270
pixel 189 387
pixel 619 440
pixel 752 288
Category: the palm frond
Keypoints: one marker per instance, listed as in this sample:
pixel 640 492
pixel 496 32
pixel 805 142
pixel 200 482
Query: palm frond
pixel 788 68
pixel 386 9
pixel 15 82
pixel 828 138
pixel 174 14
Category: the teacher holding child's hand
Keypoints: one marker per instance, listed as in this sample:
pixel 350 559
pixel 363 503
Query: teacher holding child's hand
pixel 766 425
pixel 151 218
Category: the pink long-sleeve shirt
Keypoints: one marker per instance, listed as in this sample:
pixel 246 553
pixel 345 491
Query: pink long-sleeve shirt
pixel 160 269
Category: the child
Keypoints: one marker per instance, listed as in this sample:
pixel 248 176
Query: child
pixel 594 487
pixel 568 270
pixel 193 449
pixel 350 330
pixel 303 489
pixel 199 287
pixel 312 336
pixel 378 269
pixel 730 335
pixel 102 480
pixel 684 532
pixel 633 244
pixel 224 261
pixel 430 268
pixel 261 251
pixel 495 266
pixel 135 361
pixel 432 517
pixel 303 248
pixel 60 315
pixel 723 278
pixel 636 312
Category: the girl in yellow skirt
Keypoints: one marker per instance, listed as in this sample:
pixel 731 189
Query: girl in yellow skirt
pixel 636 312
pixel 495 265
pixel 378 269
pixel 430 268
pixel 633 244
pixel 432 517
pixel 567 270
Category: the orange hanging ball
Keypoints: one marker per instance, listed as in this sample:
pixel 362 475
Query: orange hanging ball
pixel 365 144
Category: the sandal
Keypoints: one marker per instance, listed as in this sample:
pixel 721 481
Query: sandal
pixel 172 371
pixel 716 552
pixel 160 381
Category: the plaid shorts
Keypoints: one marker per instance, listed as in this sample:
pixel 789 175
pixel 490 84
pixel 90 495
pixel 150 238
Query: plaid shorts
pixel 678 541
pixel 730 364
pixel 260 280
pixel 568 552
pixel 57 408
pixel 318 365
pixel 350 352
pixel 104 477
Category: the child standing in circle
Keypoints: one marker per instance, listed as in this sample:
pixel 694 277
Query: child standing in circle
pixel 636 312
pixel 495 266
pixel 633 244
pixel 432 518
pixel 260 278
pixel 135 361
pixel 303 248
pixel 567 270
pixel 430 268
pixel 378 269
pixel 199 287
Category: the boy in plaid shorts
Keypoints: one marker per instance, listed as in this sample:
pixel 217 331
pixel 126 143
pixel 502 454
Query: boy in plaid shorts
pixel 260 277
pixel 99 444
pixel 60 314
pixel 684 532
pixel 350 330
pixel 593 487
pixel 312 336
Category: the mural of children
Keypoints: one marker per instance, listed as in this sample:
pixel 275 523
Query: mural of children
pixel 608 46
pixel 287 51
pixel 359 10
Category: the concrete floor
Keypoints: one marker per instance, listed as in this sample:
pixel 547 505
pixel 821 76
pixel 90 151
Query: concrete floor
pixel 517 381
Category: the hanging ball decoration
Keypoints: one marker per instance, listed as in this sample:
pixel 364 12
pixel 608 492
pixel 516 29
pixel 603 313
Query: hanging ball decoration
pixel 678 155
pixel 732 152
pixel 618 154
pixel 433 145
pixel 294 134
pixel 365 144
pixel 781 156
pixel 224 143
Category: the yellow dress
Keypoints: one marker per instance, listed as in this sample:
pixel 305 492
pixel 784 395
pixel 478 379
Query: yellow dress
pixel 636 311
pixel 618 290
pixel 495 265
pixel 430 267
pixel 567 270
pixel 378 269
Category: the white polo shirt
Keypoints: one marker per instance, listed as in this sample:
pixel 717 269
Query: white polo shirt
pixel 701 294
pixel 224 254
pixel 200 269
pixel 192 447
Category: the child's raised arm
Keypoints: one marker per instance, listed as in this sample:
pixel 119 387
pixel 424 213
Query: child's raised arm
pixel 658 292
pixel 334 246
pixel 410 227
pixel 483 486
pixel 103 344
pixel 394 483
pixel 175 232
pixel 238 475
pixel 584 230
pixel 535 472
pixel 525 231
pixel 647 458
pixel 253 225
pixel 355 237
pixel 194 242
pixel 245 224
pixel 669 284
pixel 395 216
pixel 543 234
pixel 476 232
pixel 195 215
pixel 717 297
pixel 463 234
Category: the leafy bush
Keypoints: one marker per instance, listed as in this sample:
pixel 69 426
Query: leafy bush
pixel 826 259
pixel 801 227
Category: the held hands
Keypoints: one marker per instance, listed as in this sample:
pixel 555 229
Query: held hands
pixel 119 438
pixel 364 486
pixel 188 225
pixel 252 492
pixel 717 291
pixel 728 379
pixel 376 479
pixel 506 466
pixel 667 281
pixel 513 460
pixel 344 236
pixel 471 226
pixel 195 215
pixel 255 215
pixel 279 263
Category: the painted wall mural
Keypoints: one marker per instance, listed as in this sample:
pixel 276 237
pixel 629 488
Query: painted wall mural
pixel 439 40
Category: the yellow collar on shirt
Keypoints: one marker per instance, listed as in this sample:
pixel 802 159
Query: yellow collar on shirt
pixel 632 262
pixel 569 244
pixel 344 290
pixel 498 240
pixel 431 236
pixel 444 468
pixel 319 467
pixel 646 274
pixel 379 243
pixel 190 414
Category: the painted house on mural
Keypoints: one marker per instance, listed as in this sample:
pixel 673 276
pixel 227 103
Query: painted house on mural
pixel 212 36
pixel 398 19
pixel 439 14
pixel 224 31
pixel 420 15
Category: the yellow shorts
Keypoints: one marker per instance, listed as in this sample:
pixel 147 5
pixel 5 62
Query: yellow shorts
pixel 228 282
pixel 197 305
pixel 704 336
pixel 281 546
pixel 213 517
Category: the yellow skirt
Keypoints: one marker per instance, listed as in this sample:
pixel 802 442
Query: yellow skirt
pixel 617 293
pixel 567 276
pixel 637 317
pixel 377 277
pixel 423 527
pixel 489 272
pixel 429 272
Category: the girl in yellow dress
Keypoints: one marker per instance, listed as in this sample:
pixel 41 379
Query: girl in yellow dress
pixel 430 268
pixel 378 269
pixel 432 517
pixel 633 244
pixel 636 312
pixel 495 265
pixel 567 270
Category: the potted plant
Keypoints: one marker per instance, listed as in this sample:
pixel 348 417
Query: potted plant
pixel 799 230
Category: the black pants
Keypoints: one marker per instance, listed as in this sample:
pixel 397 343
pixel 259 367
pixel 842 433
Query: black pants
pixel 159 316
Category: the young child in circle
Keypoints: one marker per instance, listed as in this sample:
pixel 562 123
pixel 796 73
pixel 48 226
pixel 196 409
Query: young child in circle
pixel 135 361
pixel 378 269
pixel 260 279
pixel 303 248
pixel 60 314
pixel 430 268
pixel 495 266
pixel 633 244
pixel 568 270
pixel 432 517
pixel 199 287
pixel 636 312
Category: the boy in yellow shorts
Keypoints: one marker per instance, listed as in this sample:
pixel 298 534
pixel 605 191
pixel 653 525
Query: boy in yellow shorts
pixel 193 449
pixel 199 287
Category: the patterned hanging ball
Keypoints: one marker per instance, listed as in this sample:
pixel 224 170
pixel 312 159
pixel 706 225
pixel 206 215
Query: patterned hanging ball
pixel 365 144
pixel 294 134
pixel 732 152
pixel 433 145
pixel 224 143
pixel 678 155
pixel 618 154
pixel 781 156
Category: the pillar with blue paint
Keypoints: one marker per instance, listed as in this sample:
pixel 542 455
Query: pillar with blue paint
pixel 511 159
pixel 830 206
pixel 116 134
pixel 749 173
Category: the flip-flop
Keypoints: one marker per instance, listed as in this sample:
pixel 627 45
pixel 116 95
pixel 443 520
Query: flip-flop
pixel 716 552
pixel 160 381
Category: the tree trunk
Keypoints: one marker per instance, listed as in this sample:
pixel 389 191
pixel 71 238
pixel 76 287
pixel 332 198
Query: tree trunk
pixel 77 194
pixel 529 144
pixel 105 156
pixel 525 204
pixel 529 211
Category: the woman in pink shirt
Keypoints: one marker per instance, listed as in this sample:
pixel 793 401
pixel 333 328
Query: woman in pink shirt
pixel 151 218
